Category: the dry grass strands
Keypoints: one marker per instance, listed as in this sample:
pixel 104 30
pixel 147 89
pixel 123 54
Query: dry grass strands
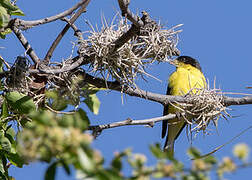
pixel 204 106
pixel 152 44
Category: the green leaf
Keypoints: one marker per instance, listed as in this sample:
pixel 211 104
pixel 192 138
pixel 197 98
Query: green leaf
pixel 51 171
pixel 108 175
pixel 10 134
pixel 51 94
pixel 20 102
pixel 210 160
pixel 15 159
pixel 58 102
pixel 66 167
pixel 91 89
pixel 43 117
pixel 193 153
pixel 3 163
pixel 67 120
pixel 26 105
pixel 87 164
pixel 93 103
pixel 157 151
pixel 1 63
pixel 2 170
pixel 79 120
pixel 117 163
pixel 17 12
pixel 4 17
pixel 4 112
pixel 5 143
pixel 7 4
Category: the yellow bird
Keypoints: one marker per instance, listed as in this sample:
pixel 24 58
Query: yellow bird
pixel 188 75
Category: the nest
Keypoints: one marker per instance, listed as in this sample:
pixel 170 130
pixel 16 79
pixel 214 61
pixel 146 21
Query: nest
pixel 153 43
pixel 203 106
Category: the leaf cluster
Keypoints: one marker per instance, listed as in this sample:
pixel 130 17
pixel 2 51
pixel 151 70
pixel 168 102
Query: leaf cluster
pixel 7 9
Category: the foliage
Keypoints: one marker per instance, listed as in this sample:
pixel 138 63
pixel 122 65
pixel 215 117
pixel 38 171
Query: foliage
pixel 7 9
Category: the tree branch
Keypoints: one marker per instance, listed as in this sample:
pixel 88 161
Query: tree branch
pixel 228 101
pixel 97 129
pixel 123 4
pixel 27 24
pixel 63 32
pixel 77 32
pixel 25 44
pixel 160 98
pixel 114 85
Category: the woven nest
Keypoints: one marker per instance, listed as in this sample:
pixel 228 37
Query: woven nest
pixel 204 106
pixel 154 43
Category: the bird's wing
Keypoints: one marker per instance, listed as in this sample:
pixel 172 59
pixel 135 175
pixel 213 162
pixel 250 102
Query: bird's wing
pixel 165 122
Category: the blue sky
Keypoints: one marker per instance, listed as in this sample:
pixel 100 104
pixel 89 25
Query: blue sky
pixel 217 33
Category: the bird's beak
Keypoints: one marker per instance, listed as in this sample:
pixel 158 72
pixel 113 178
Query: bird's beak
pixel 174 62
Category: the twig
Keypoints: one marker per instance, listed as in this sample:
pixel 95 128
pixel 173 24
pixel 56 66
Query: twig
pixel 6 64
pixel 63 32
pixel 25 44
pixel 58 112
pixel 28 24
pixel 77 32
pixel 135 28
pixel 123 4
pixel 71 67
pixel 228 101
pixel 221 146
pixel 97 129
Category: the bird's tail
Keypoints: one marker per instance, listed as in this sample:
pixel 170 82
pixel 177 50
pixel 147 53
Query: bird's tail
pixel 169 146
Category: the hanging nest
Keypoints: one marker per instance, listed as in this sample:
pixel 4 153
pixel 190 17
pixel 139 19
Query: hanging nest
pixel 153 43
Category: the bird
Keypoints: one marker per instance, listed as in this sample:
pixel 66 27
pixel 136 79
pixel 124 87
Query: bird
pixel 188 75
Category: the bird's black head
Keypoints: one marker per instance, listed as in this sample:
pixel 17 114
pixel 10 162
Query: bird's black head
pixel 189 60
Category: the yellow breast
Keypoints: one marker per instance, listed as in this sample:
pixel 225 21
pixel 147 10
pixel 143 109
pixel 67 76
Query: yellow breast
pixel 183 80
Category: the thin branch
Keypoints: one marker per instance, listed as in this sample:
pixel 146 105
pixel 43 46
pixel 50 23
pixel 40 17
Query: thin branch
pixel 97 129
pixel 226 143
pixel 63 32
pixel 59 112
pixel 25 44
pixel 69 65
pixel 123 4
pixel 228 101
pixel 77 32
pixel 135 28
pixel 28 24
